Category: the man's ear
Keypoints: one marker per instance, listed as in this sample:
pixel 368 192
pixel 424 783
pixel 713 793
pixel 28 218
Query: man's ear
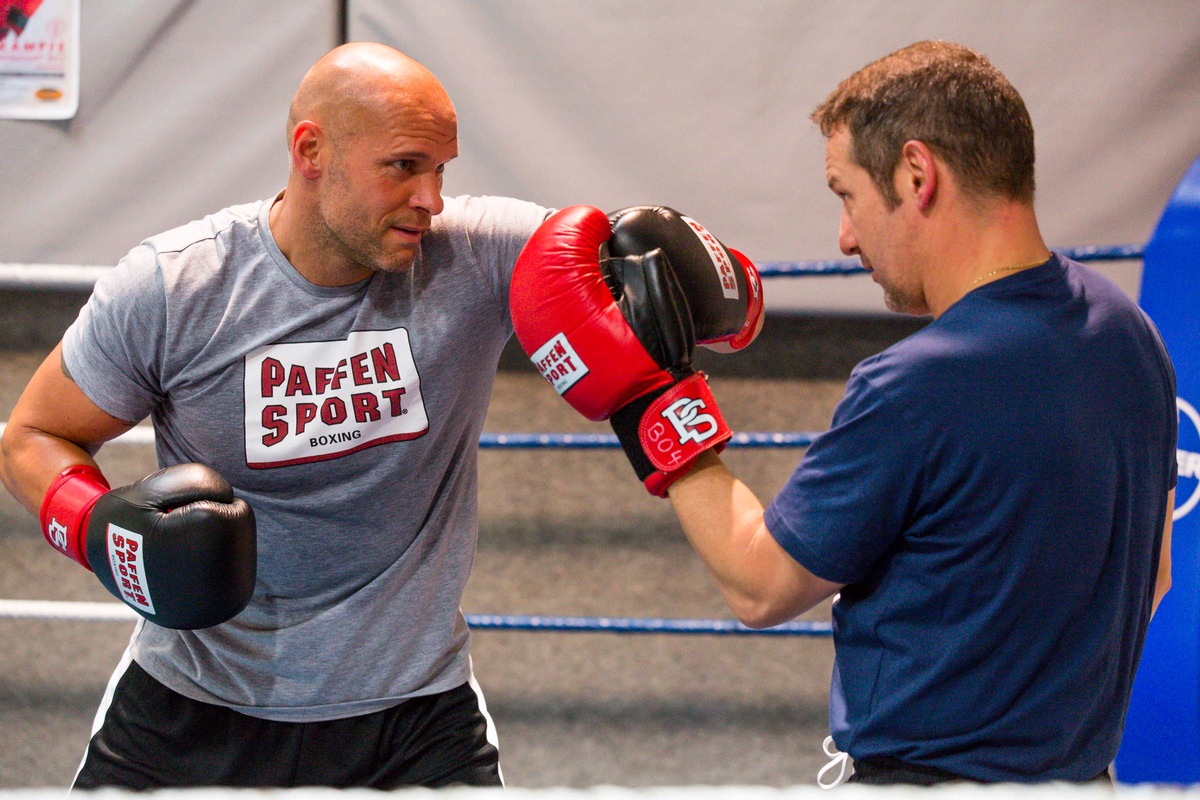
pixel 308 140
pixel 919 173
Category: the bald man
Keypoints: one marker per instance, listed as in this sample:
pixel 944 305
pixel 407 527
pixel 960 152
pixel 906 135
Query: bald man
pixel 317 367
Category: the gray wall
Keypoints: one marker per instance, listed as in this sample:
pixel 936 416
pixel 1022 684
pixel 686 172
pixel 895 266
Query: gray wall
pixel 701 104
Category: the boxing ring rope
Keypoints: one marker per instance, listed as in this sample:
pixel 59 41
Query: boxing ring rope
pixel 73 277
pixel 116 612
pixel 144 434
pixel 851 266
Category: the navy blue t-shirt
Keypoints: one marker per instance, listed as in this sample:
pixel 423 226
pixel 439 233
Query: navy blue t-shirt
pixel 992 492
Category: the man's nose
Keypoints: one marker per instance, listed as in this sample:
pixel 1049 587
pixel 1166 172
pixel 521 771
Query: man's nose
pixel 846 239
pixel 428 195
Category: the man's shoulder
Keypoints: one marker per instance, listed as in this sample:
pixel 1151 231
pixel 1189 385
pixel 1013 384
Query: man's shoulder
pixel 471 211
pixel 920 350
pixel 190 256
pixel 229 222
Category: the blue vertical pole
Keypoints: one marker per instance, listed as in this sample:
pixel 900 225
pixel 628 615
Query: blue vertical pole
pixel 1162 731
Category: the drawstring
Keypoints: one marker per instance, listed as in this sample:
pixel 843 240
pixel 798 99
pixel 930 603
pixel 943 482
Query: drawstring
pixel 836 759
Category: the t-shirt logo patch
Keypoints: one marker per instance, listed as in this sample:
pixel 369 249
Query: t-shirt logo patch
pixel 313 401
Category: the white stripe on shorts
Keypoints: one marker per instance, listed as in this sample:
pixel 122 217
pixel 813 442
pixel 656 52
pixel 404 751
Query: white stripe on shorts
pixel 492 736
pixel 106 700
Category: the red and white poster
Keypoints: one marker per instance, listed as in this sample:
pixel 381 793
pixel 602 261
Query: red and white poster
pixel 39 59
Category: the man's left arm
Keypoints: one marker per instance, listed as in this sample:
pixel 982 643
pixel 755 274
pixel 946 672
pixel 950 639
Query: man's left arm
pixel 1162 581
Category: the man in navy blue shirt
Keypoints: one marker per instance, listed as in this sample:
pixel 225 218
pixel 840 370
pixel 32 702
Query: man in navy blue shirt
pixel 992 503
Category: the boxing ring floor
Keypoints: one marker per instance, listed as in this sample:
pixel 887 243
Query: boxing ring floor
pixel 563 532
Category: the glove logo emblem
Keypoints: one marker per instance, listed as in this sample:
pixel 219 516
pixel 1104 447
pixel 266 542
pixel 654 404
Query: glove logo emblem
pixel 56 532
pixel 558 363
pixel 689 424
pixel 125 557
pixel 720 259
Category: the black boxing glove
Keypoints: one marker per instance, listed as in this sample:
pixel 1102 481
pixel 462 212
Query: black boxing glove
pixel 722 286
pixel 177 546
pixel 665 430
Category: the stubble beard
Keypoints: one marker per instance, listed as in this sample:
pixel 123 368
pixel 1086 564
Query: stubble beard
pixel 353 239
pixel 900 301
pixel 362 247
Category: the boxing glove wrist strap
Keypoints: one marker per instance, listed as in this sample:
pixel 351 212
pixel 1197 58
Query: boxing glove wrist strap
pixel 66 507
pixel 663 432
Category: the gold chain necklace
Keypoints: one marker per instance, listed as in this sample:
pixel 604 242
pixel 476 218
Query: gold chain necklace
pixel 987 275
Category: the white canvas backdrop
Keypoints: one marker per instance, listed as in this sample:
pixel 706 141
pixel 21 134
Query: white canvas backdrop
pixel 704 104
pixel 695 103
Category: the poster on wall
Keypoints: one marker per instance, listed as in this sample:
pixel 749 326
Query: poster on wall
pixel 39 59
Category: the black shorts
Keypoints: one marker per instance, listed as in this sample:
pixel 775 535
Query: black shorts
pixel 151 737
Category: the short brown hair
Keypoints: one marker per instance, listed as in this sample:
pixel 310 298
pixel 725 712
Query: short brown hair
pixel 947 96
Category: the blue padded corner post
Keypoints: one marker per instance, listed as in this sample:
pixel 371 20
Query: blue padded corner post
pixel 1162 731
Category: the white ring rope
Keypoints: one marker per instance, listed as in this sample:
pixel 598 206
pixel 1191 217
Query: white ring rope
pixel 62 277
pixel 56 609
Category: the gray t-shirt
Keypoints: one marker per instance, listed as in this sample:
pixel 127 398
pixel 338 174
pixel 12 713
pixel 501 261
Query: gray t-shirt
pixel 348 418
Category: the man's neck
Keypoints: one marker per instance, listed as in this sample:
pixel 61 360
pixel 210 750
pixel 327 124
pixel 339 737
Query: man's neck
pixel 983 246
pixel 293 233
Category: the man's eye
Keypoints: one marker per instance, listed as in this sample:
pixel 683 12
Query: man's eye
pixel 404 164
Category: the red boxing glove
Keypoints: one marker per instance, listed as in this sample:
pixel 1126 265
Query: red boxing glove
pixel 664 431
pixel 177 546
pixel 615 337
pixel 568 321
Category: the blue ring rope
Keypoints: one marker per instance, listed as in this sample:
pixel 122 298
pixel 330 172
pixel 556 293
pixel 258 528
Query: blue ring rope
pixel 83 277
pixel 642 625
pixel 116 612
pixel 851 266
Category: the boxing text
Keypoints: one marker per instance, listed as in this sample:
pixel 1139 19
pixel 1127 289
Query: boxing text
pixel 128 567
pixel 559 363
pixel 720 258
pixel 313 401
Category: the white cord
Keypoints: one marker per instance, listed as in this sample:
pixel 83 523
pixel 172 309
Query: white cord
pixel 836 759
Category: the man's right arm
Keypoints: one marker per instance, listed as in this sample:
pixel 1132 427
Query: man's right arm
pixel 177 546
pixel 760 581
pixel 53 426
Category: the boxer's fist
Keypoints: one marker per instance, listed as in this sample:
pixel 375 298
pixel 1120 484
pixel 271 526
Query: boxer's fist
pixel 664 430
pixel 569 323
pixel 722 286
pixel 614 335
pixel 177 546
